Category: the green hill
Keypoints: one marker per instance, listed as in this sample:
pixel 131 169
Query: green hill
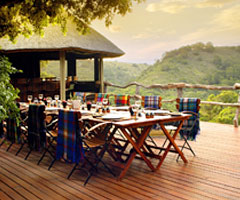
pixel 198 63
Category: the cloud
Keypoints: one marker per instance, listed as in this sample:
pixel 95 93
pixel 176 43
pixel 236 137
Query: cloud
pixel 171 7
pixel 214 3
pixel 176 6
pixel 228 19
pixel 141 36
pixel 114 29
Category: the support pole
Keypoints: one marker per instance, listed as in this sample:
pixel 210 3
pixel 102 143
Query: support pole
pixel 235 120
pixel 62 76
pixel 101 75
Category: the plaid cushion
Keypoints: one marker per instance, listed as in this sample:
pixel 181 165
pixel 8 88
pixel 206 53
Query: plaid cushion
pixel 121 100
pixel 1 130
pixel 69 145
pixel 100 97
pixel 190 104
pixel 13 132
pixel 151 101
pixel 36 126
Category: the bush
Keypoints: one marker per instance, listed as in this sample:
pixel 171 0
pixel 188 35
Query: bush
pixel 8 94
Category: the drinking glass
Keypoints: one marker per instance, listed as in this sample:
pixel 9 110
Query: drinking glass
pixel 29 98
pixel 138 104
pixel 105 102
pixel 40 97
pixel 56 97
pixel 49 100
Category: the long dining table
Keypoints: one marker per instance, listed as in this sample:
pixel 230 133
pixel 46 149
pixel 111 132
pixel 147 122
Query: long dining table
pixel 135 131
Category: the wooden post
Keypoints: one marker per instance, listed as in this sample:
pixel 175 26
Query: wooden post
pixel 62 76
pixel 105 88
pixel 101 75
pixel 179 92
pixel 235 120
pixel 137 92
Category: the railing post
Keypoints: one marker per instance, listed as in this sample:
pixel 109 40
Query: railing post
pixel 137 92
pixel 235 120
pixel 179 92
pixel 105 88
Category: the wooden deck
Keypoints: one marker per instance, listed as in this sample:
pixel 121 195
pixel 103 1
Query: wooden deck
pixel 213 174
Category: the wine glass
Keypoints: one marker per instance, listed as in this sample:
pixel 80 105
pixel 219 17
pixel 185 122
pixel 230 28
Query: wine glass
pixel 138 106
pixel 105 102
pixel 49 100
pixel 40 97
pixel 56 97
pixel 29 98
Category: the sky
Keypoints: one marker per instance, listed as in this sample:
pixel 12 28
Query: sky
pixel 157 26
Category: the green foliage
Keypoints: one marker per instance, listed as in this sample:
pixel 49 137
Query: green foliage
pixel 27 16
pixel 218 113
pixel 8 94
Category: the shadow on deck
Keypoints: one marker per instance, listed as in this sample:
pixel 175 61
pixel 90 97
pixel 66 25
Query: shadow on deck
pixel 213 174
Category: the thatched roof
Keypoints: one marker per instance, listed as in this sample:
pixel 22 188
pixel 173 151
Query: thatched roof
pixel 54 40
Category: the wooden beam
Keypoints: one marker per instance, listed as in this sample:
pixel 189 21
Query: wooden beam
pixel 101 75
pixel 62 76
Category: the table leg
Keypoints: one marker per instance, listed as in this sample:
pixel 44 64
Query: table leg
pixel 171 143
pixel 137 146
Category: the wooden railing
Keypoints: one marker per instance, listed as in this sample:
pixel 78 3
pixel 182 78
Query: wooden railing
pixel 180 87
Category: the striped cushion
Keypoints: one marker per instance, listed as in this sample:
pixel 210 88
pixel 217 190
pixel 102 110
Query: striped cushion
pixel 69 145
pixel 151 102
pixel 121 100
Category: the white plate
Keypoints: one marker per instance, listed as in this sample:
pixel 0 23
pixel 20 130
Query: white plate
pixel 111 117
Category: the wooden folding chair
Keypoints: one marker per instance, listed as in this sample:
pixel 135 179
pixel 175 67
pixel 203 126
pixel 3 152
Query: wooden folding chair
pixel 36 136
pixel 191 127
pixel 74 148
pixel 152 103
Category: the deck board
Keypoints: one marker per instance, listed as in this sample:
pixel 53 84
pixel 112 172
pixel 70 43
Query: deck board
pixel 213 174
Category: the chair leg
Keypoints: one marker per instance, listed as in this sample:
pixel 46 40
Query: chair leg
pixel 151 139
pixel 45 151
pixel 43 155
pixel 20 148
pixel 183 146
pixel 73 169
pixel 50 166
pixel 9 146
pixel 2 142
pixel 190 148
pixel 30 151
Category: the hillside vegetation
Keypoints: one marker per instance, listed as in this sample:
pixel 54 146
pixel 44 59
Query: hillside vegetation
pixel 194 64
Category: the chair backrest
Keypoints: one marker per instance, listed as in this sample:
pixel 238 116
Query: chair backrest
pixel 122 100
pixel 188 104
pixel 36 125
pixel 100 96
pixel 69 144
pixel 191 126
pixel 152 102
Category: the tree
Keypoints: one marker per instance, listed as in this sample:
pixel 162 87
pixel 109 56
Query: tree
pixel 8 94
pixel 24 17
